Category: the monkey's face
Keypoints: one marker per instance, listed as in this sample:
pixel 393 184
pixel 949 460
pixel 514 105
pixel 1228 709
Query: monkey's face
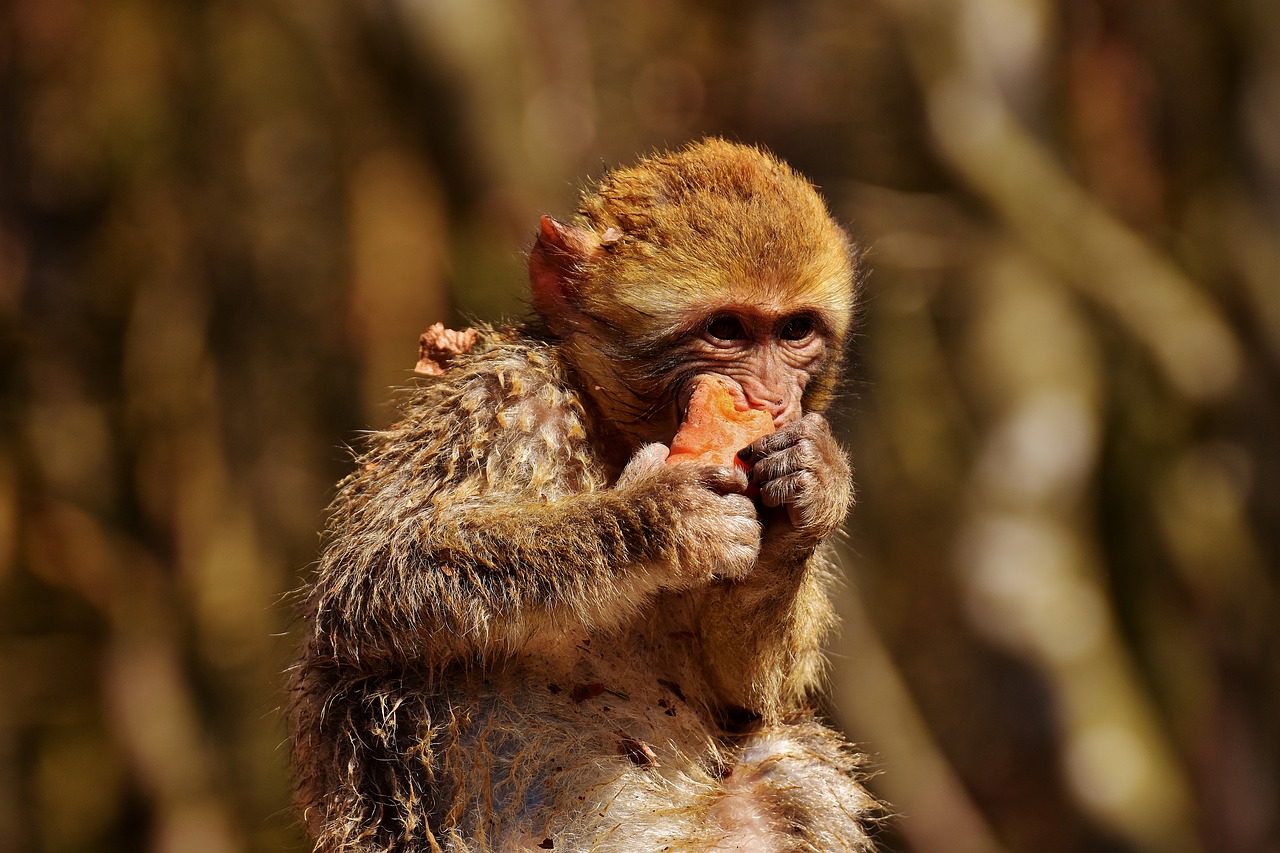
pixel 641 350
pixel 769 312
pixel 769 356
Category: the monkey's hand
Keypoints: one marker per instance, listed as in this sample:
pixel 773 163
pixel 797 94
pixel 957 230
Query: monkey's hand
pixel 712 528
pixel 801 469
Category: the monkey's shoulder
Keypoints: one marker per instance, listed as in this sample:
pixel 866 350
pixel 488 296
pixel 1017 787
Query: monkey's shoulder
pixel 509 380
pixel 503 415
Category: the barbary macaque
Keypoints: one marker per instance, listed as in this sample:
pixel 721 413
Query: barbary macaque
pixel 527 630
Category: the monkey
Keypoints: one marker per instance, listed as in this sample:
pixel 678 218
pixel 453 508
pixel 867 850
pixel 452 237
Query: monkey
pixel 526 630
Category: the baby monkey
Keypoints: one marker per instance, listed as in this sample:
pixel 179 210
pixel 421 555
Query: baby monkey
pixel 527 631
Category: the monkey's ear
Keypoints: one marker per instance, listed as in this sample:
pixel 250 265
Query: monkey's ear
pixel 557 270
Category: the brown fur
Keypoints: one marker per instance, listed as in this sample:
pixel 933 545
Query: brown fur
pixel 529 633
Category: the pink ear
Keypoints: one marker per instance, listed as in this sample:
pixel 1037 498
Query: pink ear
pixel 556 269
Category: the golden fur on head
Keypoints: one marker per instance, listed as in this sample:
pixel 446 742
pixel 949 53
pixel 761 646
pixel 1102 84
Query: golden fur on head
pixel 683 215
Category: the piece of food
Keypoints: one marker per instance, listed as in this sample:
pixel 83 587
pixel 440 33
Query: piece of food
pixel 438 346
pixel 715 429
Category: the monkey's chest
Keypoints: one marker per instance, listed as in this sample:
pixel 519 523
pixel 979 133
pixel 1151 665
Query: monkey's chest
pixel 660 646
pixel 597 731
pixel 644 687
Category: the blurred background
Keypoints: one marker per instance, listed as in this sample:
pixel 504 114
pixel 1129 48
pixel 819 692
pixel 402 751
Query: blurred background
pixel 223 224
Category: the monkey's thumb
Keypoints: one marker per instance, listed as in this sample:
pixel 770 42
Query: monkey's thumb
pixel 648 458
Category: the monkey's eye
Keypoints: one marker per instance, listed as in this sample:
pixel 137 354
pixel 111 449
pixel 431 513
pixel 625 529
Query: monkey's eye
pixel 796 329
pixel 726 328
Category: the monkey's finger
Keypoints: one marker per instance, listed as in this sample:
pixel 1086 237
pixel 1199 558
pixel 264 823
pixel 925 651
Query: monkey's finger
pixel 738 506
pixel 811 426
pixel 722 479
pixel 762 447
pixel 772 443
pixel 801 456
pixel 786 491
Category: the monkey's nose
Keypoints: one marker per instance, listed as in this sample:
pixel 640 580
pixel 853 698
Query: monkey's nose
pixel 775 405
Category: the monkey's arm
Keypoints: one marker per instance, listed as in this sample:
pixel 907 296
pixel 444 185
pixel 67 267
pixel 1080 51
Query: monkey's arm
pixel 595 557
pixel 483 566
pixel 762 635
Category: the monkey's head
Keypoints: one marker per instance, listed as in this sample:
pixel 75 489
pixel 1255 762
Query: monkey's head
pixel 718 259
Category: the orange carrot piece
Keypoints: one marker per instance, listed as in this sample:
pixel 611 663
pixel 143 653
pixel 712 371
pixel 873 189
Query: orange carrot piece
pixel 715 429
